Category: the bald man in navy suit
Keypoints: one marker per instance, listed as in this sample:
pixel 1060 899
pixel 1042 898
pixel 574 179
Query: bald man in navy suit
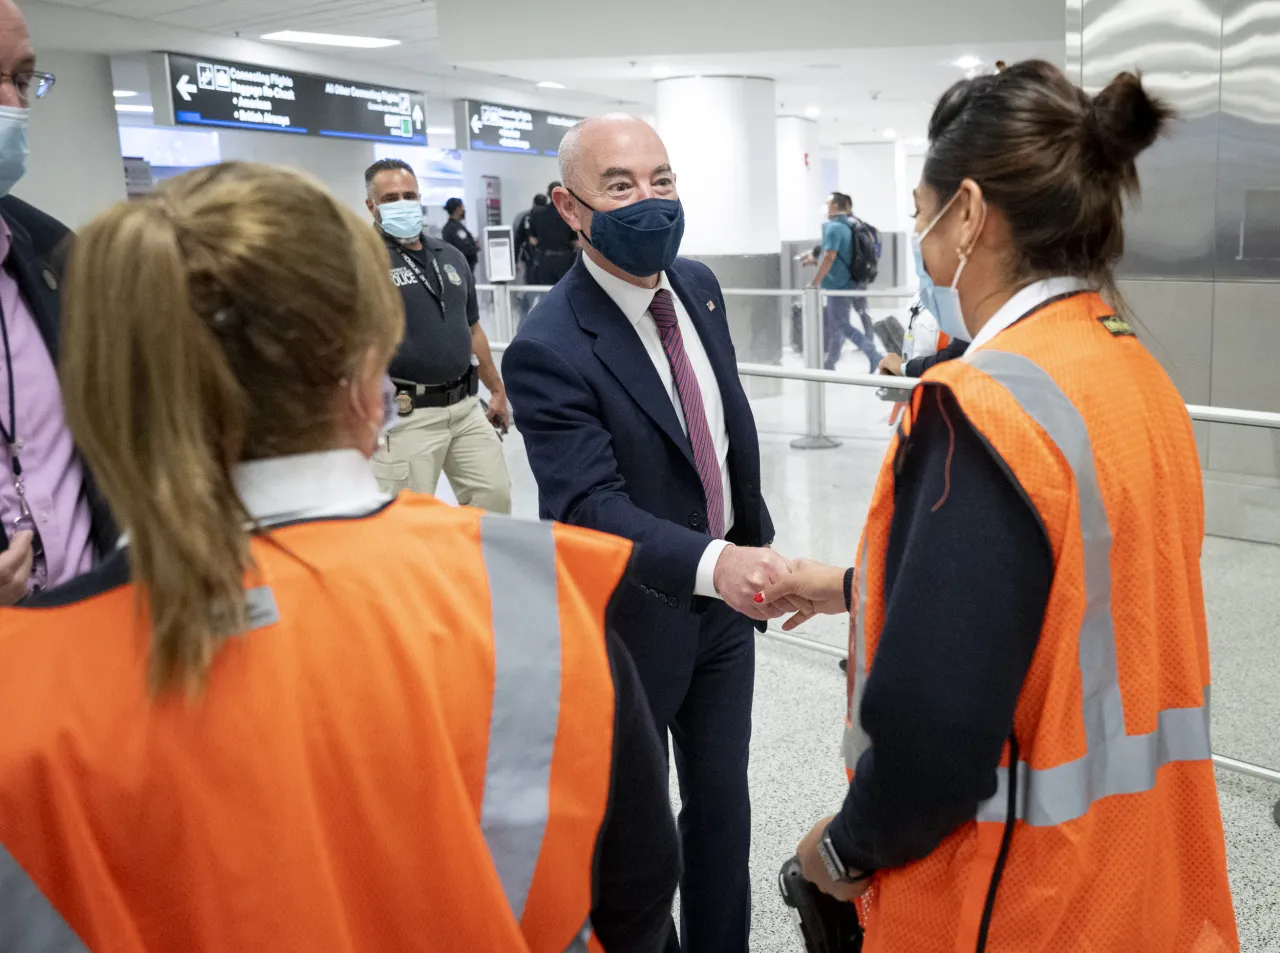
pixel 625 387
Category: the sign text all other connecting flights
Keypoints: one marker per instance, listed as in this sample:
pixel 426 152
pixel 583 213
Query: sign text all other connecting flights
pixel 239 95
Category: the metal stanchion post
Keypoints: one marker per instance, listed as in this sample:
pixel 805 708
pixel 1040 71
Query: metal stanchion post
pixel 815 437
pixel 504 327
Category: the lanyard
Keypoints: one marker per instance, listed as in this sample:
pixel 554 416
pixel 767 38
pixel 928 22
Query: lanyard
pixel 26 520
pixel 10 433
pixel 417 270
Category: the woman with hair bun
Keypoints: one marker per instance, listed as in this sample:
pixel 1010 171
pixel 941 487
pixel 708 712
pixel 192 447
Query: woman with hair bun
pixel 1028 731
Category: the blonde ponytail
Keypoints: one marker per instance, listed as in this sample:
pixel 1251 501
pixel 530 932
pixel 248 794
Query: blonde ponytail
pixel 206 325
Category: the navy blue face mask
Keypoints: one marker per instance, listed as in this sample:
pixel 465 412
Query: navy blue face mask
pixel 642 239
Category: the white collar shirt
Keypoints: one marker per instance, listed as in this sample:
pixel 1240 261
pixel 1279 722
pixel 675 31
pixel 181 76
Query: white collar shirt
pixel 634 302
pixel 1025 301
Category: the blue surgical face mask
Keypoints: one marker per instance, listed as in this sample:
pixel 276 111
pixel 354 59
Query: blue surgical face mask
pixel 642 239
pixel 402 219
pixel 942 303
pixel 13 146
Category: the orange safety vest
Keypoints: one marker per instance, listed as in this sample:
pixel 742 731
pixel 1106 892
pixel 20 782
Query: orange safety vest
pixel 411 751
pixel 1105 833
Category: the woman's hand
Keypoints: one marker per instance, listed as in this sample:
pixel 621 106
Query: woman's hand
pixel 892 364
pixel 815 871
pixel 813 587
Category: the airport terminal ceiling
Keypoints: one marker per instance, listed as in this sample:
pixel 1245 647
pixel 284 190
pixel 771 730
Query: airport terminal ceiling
pixel 883 78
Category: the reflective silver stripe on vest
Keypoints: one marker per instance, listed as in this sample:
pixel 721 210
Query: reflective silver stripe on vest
pixel 28 921
pixel 1114 763
pixel 855 739
pixel 520 559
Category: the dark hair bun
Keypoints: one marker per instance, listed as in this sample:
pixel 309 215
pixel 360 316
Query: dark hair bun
pixel 1124 120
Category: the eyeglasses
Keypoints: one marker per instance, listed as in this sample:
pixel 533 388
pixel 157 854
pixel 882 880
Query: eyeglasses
pixel 30 84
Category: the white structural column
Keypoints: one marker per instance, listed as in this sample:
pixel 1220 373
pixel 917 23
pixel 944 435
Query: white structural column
pixel 800 195
pixel 874 174
pixel 722 137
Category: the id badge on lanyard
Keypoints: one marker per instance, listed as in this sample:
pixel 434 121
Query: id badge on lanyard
pixel 25 521
pixel 421 276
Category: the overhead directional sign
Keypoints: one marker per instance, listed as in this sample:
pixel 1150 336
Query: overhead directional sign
pixel 200 92
pixel 497 128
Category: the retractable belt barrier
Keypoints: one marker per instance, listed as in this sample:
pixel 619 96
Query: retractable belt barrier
pixel 817 438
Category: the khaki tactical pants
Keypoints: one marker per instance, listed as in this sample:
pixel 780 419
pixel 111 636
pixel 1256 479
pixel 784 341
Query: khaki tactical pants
pixel 457 440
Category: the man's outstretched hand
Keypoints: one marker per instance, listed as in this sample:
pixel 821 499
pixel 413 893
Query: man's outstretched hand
pixel 742 573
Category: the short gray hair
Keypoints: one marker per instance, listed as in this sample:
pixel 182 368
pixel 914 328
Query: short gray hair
pixel 571 153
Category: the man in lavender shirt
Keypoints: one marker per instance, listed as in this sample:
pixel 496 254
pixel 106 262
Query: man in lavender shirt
pixel 52 522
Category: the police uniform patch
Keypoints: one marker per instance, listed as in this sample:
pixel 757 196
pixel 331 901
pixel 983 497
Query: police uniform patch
pixel 453 274
pixel 1117 326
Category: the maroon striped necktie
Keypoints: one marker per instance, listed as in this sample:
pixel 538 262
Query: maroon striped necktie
pixel 695 415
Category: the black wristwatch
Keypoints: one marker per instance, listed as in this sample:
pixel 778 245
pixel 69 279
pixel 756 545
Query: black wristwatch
pixel 837 868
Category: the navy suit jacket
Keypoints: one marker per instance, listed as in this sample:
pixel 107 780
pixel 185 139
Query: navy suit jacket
pixel 608 451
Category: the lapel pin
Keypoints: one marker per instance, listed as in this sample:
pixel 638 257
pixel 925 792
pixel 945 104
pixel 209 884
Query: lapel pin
pixel 51 280
pixel 711 305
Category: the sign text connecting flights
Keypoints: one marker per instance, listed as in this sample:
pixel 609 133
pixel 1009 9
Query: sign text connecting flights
pixel 242 96
pixel 498 128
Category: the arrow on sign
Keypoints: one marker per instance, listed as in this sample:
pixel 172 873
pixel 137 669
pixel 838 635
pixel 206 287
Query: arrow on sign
pixel 417 116
pixel 476 125
pixel 185 87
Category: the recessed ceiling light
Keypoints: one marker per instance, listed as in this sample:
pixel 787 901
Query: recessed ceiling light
pixel 550 84
pixel 330 39
pixel 891 134
pixel 135 109
pixel 968 61
pixel 813 112
pixel 123 93
pixel 661 71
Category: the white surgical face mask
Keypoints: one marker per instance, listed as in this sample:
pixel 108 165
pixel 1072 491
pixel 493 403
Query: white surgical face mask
pixel 402 219
pixel 13 146
pixel 943 303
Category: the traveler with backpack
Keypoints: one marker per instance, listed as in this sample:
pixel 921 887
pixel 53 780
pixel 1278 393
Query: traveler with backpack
pixel 850 260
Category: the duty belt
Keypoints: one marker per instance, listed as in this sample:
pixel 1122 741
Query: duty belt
pixel 411 396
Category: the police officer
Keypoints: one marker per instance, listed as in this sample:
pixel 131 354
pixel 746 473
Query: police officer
pixel 456 234
pixel 441 425
pixel 1028 721
pixel 555 243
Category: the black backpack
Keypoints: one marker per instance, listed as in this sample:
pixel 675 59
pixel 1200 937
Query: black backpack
pixel 865 266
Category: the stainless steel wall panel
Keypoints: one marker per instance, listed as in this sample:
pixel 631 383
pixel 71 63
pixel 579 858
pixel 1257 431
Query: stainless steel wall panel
pixel 1074 61
pixel 1175 322
pixel 1246 338
pixel 1249 166
pixel 1176 46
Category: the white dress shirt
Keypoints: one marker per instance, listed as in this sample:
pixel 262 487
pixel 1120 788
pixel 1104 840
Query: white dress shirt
pixel 1026 300
pixel 309 486
pixel 634 302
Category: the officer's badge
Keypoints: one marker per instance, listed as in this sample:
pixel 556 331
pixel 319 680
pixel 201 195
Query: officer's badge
pixel 404 404
pixel 453 274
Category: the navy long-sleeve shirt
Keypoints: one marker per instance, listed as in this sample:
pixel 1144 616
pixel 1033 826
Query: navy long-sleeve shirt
pixel 917 366
pixel 966 586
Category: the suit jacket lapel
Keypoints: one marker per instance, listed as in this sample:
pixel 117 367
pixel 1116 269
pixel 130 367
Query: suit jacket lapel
pixel 619 349
pixel 28 271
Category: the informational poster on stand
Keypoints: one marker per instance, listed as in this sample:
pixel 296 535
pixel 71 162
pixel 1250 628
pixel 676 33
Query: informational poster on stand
pixel 500 260
pixel 493 127
pixel 200 91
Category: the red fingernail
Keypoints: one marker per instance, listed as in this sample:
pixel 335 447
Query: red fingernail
pixel 759 597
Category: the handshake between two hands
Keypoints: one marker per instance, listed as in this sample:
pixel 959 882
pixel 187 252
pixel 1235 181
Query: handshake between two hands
pixel 762 585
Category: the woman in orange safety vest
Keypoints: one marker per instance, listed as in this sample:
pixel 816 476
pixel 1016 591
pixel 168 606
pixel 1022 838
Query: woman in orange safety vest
pixel 290 713
pixel 1029 673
